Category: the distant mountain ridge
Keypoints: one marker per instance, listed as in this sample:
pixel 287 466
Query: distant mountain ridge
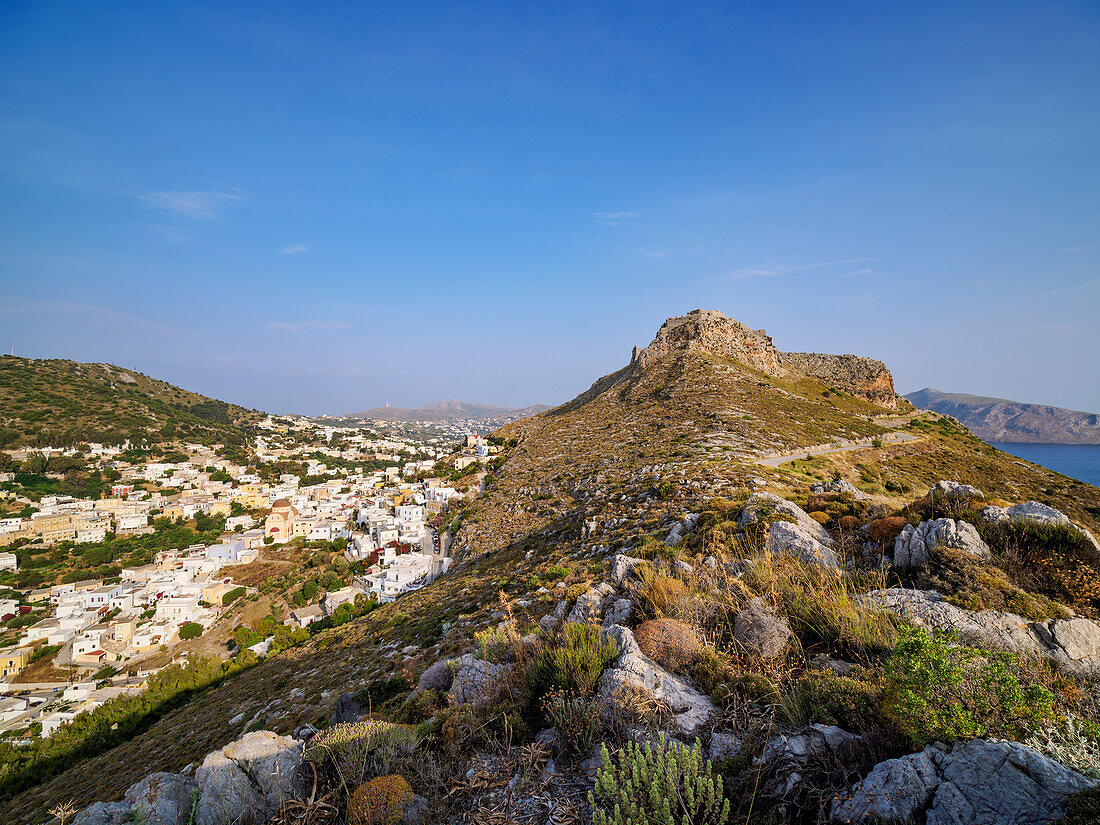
pixel 998 419
pixel 441 411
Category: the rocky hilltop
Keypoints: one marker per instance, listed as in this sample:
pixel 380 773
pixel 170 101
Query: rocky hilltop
pixel 998 419
pixel 808 618
pixel 711 331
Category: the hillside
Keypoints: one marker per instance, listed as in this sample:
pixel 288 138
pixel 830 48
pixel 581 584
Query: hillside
pixel 631 505
pixel 57 403
pixel 998 419
pixel 451 411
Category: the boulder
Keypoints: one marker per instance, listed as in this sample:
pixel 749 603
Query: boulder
pixel 477 682
pixel 162 799
pixel 621 568
pixel 840 487
pixel 760 630
pixel 759 503
pixel 785 538
pixel 723 745
pixel 913 545
pixel 1037 512
pixel 979 782
pixel 1073 645
pixel 591 605
pixel 634 671
pixel 348 709
pixel 249 778
pixel 105 813
pixel 790 756
pixel 952 489
pixel 619 612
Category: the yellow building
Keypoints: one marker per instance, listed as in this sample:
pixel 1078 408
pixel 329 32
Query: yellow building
pixel 220 508
pixel 172 511
pixel 55 528
pixel 280 524
pixel 12 662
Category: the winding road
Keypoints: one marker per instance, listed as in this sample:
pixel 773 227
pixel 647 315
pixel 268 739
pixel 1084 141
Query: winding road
pixel 888 438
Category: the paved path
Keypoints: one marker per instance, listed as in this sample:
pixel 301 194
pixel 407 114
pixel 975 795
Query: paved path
pixel 888 438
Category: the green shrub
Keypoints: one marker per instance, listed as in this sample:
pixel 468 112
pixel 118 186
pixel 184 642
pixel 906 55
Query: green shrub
pixel 557 572
pixel 937 689
pixel 577 719
pixel 232 595
pixel 358 750
pixel 190 630
pixel 831 699
pixel 381 691
pixel 571 661
pixel 654 785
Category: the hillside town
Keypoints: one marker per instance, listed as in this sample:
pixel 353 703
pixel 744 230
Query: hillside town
pixel 377 503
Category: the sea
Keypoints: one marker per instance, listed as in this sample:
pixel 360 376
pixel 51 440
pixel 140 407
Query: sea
pixel 1080 461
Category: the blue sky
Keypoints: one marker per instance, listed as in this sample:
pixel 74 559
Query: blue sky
pixel 323 207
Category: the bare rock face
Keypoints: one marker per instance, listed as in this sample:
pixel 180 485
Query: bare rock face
pixel 860 376
pixel 1072 645
pixel 979 782
pixel 788 539
pixel 914 544
pixel 476 682
pixel 712 331
pixel 761 504
pixel 249 778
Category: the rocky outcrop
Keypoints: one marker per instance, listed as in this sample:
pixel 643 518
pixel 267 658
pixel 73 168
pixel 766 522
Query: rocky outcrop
pixel 760 630
pixel 979 782
pixel 712 331
pixel 789 539
pixel 476 682
pixel 839 487
pixel 864 377
pixel 790 756
pixel 634 672
pixel 1073 645
pixel 1037 513
pixel 761 505
pixel 914 545
pixel 953 489
pixel 591 604
pixel 158 799
pixel 247 779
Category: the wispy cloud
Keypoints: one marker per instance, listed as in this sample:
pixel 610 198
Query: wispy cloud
pixel 308 326
pixel 204 205
pixel 856 272
pixel 776 269
pixel 71 312
pixel 1069 250
pixel 653 253
pixel 615 218
pixel 294 249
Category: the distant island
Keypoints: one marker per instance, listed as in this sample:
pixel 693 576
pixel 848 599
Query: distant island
pixel 998 419
pixel 451 411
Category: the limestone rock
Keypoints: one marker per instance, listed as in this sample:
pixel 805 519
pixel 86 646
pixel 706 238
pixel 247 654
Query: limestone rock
pixel 476 681
pixel 789 539
pixel 591 605
pixel 791 754
pixel 251 777
pixel 979 782
pixel 347 709
pixel 633 670
pixel 761 631
pixel 1072 645
pixel 105 813
pixel 758 503
pixel 914 544
pixel 1037 512
pixel 162 799
pixel 621 568
pixel 619 612
pixel 723 745
pixel 952 489
pixel 839 487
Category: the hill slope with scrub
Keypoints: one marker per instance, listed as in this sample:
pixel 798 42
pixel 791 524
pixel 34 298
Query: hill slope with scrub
pixel 899 631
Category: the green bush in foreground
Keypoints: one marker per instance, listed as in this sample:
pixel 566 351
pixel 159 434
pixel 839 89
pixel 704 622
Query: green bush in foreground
pixel 666 784
pixel 937 689
pixel 572 661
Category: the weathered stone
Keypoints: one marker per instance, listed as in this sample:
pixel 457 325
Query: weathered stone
pixel 790 755
pixel 249 778
pixel 760 630
pixel 789 539
pixel 979 782
pixel 1038 513
pixel 619 612
pixel 633 670
pixel 591 605
pixel 621 567
pixel 914 544
pixel 1072 645
pixel 723 745
pixel 758 503
pixel 477 682
pixel 348 709
pixel 953 489
pixel 839 487
pixel 162 799
pixel 105 813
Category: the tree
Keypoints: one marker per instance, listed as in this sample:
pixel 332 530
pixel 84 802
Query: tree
pixel 34 465
pixel 190 630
